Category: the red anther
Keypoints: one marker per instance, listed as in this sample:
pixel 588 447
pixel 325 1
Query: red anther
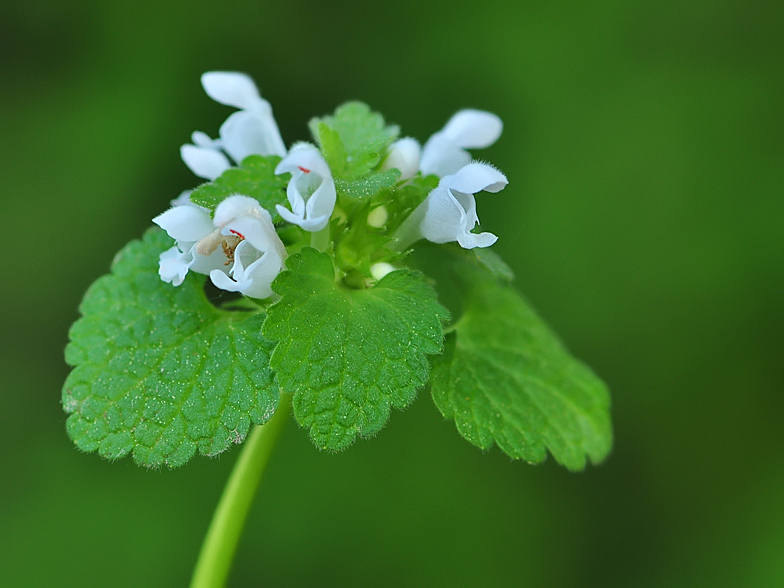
pixel 240 235
pixel 307 171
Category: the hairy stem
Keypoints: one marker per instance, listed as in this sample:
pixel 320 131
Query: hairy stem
pixel 220 544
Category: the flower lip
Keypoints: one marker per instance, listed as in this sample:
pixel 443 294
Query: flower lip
pixel 311 190
pixel 476 177
pixel 234 206
pixel 231 88
pixel 449 211
pixel 205 162
pixel 185 223
pixel 473 129
pixel 445 151
pixel 306 158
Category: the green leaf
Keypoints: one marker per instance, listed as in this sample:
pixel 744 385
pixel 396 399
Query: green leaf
pixel 367 187
pixel 348 356
pixel 354 140
pixel 255 177
pixel 505 378
pixel 158 370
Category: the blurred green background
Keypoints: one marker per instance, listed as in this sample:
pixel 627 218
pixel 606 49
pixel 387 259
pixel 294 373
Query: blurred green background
pixel 644 142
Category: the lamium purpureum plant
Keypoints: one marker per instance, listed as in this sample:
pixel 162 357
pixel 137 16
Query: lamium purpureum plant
pixel 341 255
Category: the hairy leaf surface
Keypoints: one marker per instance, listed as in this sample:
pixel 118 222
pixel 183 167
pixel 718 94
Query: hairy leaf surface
pixel 159 372
pixel 505 378
pixel 353 140
pixel 347 355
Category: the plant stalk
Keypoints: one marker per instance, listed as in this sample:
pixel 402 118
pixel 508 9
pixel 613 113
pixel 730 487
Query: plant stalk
pixel 220 543
pixel 321 239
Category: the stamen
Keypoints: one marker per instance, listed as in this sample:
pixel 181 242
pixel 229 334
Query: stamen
pixel 307 171
pixel 228 251
pixel 229 245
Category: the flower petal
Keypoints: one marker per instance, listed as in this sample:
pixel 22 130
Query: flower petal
pixel 204 162
pixel 404 155
pixel 294 196
pixel 206 264
pixel 314 224
pixel 442 156
pixel 253 270
pixel 444 218
pixel 444 153
pixel 185 223
pixel 230 88
pixel 233 207
pixel 259 232
pixel 287 215
pixel 474 178
pixel 204 140
pixel 252 133
pixel 302 157
pixel 468 202
pixel 224 282
pixel 173 265
pixel 184 199
pixel 472 240
pixel 322 202
pixel 473 129
pixel 261 273
pixel 308 169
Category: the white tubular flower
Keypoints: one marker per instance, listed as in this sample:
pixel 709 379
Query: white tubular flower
pixel 311 190
pixel 449 211
pixel 239 241
pixel 404 156
pixel 188 224
pixel 445 152
pixel 250 241
pixel 251 131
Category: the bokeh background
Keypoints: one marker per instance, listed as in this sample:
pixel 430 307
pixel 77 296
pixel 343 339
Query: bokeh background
pixel 644 142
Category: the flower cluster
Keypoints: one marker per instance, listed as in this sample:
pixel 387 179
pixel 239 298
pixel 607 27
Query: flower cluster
pixel 237 244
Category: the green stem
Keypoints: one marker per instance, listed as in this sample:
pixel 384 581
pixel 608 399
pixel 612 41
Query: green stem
pixel 217 552
pixel 320 239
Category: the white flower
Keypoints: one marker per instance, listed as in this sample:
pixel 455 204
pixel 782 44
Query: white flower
pixel 311 190
pixel 251 131
pixel 188 224
pixel 449 211
pixel 240 241
pixel 259 255
pixel 445 152
pixel 404 156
